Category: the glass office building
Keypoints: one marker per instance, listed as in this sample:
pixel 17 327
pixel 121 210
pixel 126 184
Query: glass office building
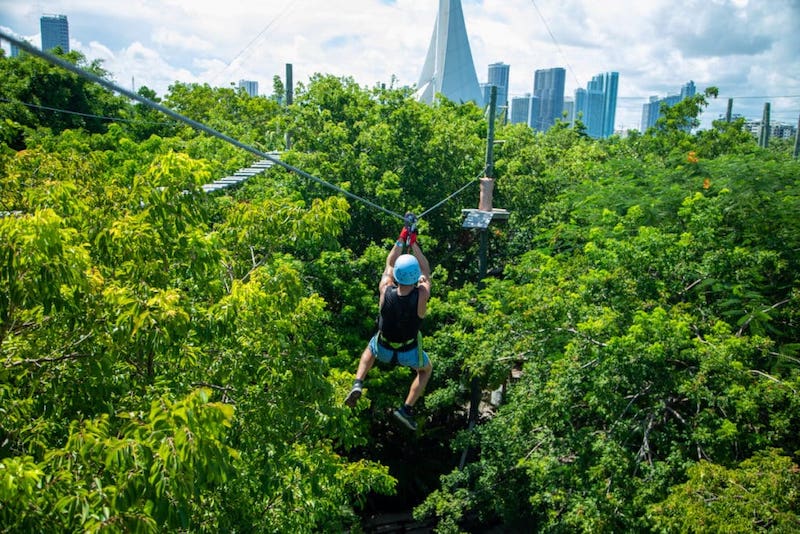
pixel 548 87
pixel 249 86
pixel 55 32
pixel 498 76
pixel 599 105
pixel 652 110
pixel 520 109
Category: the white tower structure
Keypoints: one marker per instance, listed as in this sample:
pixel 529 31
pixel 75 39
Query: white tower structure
pixel 449 68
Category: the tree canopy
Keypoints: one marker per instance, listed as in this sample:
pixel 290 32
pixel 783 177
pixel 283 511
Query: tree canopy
pixel 171 359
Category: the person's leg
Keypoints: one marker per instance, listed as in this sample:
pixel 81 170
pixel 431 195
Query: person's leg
pixel 405 414
pixel 364 365
pixel 418 385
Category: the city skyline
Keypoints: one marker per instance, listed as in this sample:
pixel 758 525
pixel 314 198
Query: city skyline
pixel 743 48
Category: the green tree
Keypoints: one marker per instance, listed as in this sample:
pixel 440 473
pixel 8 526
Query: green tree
pixel 37 94
pixel 759 495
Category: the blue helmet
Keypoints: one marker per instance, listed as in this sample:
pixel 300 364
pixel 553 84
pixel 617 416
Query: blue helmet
pixel 406 270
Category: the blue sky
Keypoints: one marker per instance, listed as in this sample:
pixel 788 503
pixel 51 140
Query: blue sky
pixel 748 49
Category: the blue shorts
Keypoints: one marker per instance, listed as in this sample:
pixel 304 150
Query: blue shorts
pixel 408 358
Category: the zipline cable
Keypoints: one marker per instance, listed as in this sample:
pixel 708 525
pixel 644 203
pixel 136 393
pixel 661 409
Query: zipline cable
pixel 23 45
pixel 558 46
pixel 256 38
pixel 80 114
pixel 424 213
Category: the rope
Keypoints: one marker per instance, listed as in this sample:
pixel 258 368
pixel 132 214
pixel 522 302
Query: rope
pixel 24 45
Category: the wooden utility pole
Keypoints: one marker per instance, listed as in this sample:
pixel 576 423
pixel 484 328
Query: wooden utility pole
pixel 729 112
pixel 487 186
pixel 763 138
pixel 480 220
pixel 797 139
pixel 289 99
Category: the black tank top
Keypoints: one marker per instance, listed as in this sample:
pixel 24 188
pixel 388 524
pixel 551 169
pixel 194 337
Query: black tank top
pixel 399 320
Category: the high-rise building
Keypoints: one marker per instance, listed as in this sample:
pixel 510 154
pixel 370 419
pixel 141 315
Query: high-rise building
pixel 250 87
pixel 535 111
pixel 55 32
pixel 599 104
pixel 486 91
pixel 448 67
pixel 688 89
pixel 611 85
pixel 548 87
pixel 652 110
pixel 498 76
pixel 580 105
pixel 520 109
pixel 569 110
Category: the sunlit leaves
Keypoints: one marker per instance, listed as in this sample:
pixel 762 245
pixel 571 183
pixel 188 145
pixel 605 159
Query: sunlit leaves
pixel 150 472
pixel 761 494
pixel 644 307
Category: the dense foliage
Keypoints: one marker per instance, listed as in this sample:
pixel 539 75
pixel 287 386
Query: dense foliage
pixel 171 360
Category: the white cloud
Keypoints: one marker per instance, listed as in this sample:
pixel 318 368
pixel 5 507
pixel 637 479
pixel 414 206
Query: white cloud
pixel 744 48
pixel 171 38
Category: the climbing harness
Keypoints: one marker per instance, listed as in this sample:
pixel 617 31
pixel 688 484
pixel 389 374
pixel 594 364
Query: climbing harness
pixel 403 346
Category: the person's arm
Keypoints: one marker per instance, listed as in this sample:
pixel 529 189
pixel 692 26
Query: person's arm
pixel 424 266
pixel 388 271
pixel 424 284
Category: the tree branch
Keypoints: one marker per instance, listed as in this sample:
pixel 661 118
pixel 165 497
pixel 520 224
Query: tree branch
pixel 765 310
pixel 38 362
pixel 770 377
pixel 226 398
pixel 587 338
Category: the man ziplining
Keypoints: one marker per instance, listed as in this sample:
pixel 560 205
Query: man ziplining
pixel 405 289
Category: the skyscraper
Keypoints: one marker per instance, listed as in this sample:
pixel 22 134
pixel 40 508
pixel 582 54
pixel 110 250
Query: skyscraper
pixel 535 112
pixel 250 87
pixel 688 89
pixel 652 110
pixel 520 109
pixel 498 76
pixel 548 86
pixel 611 85
pixel 448 67
pixel 55 32
pixel 569 110
pixel 600 104
pixel 486 91
pixel 580 106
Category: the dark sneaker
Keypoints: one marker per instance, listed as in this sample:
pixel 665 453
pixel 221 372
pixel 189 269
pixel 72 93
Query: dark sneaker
pixel 353 396
pixel 405 418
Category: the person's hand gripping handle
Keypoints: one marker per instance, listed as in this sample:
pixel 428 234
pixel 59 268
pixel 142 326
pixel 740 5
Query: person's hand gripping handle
pixel 408 235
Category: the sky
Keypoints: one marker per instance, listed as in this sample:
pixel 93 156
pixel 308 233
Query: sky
pixel 748 49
